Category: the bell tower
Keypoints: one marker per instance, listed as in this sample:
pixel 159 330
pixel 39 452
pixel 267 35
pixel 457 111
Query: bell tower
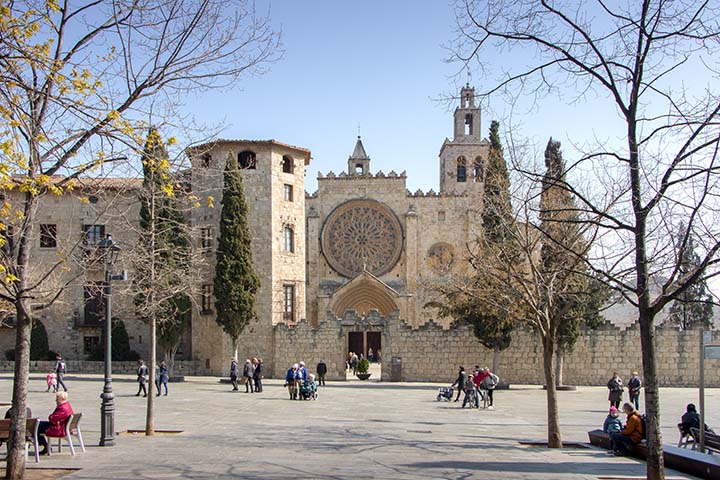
pixel 359 162
pixel 462 159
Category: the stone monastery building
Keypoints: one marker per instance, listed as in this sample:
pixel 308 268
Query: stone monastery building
pixel 344 269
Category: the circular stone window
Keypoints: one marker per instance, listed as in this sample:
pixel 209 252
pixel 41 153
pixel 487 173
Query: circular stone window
pixel 362 233
pixel 440 257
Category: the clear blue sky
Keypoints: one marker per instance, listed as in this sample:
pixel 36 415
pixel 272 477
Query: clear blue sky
pixel 380 65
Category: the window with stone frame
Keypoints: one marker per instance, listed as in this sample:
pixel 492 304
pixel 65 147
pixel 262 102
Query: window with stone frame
pixel 289 303
pixel 206 301
pixel 92 234
pixel 288 239
pixel 205 160
pixel 478 169
pixel 207 238
pixel 288 164
pixel 461 169
pixel 48 235
pixel 287 192
pixel 91 344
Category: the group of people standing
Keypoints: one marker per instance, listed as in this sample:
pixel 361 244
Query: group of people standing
pixel 478 386
pixel 615 387
pixel 252 374
pixel 143 377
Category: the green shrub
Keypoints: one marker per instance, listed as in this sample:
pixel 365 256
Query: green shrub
pixel 39 347
pixel 363 366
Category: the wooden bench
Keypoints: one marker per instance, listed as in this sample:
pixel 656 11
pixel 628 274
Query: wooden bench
pixel 711 440
pixel 31 434
pixel 680 459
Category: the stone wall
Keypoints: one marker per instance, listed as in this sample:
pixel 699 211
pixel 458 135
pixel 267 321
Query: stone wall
pixel 433 353
pixel 82 367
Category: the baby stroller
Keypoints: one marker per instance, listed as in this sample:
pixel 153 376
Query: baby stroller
pixel 444 393
pixel 308 390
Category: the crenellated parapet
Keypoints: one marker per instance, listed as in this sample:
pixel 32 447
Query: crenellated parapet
pixel 433 194
pixel 356 176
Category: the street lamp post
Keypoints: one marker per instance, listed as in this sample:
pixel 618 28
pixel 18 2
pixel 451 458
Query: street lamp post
pixel 110 250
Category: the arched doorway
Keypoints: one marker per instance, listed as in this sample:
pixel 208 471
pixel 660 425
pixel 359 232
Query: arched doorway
pixel 363 306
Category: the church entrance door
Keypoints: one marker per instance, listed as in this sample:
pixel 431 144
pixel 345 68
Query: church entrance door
pixel 361 343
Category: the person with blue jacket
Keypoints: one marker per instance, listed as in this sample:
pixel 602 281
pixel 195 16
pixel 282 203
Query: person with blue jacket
pixel 292 379
pixel 612 423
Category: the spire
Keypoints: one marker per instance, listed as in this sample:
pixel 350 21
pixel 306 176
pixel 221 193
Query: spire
pixel 359 162
pixel 359 152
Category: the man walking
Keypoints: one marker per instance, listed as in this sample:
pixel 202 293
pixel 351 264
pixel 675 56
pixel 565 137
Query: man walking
pixel 60 372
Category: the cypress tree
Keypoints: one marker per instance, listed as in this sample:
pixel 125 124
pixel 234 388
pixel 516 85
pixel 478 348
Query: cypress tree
pixel 694 305
pixel 235 282
pixel 497 208
pixel 39 347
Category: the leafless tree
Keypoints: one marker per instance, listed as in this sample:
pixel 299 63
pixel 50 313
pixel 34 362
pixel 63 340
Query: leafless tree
pixel 78 79
pixel 654 62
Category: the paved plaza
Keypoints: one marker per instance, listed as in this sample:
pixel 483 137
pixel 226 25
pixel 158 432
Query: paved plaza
pixel 354 430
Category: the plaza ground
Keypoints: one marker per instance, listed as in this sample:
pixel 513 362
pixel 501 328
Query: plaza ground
pixel 354 430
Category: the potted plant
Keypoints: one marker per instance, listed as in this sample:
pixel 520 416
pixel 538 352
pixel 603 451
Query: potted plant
pixel 362 369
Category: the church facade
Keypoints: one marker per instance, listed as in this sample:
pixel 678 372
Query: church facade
pixel 358 253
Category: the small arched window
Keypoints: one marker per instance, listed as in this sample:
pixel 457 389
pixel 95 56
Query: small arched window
pixel 288 239
pixel 246 160
pixel 287 164
pixel 461 169
pixel 478 169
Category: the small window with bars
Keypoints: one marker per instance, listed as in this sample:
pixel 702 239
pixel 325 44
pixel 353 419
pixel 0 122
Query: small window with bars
pixel 289 303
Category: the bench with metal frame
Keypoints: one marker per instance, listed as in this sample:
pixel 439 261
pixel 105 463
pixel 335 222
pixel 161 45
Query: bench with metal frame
pixel 31 434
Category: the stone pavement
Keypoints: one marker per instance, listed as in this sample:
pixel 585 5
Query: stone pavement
pixel 354 430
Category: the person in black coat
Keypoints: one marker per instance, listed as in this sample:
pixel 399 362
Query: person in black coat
pixel 460 382
pixel 258 374
pixel 321 371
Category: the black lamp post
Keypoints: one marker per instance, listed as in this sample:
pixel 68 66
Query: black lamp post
pixel 110 250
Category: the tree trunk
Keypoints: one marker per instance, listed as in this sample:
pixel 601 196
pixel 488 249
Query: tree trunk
pixel 235 348
pixel 553 419
pixel 496 360
pixel 655 463
pixel 16 442
pixel 559 363
pixel 150 419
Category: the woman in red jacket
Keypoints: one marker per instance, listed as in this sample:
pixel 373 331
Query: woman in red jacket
pixel 57 420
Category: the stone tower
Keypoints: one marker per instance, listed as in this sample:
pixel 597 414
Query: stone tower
pixel 274 183
pixel 359 162
pixel 462 159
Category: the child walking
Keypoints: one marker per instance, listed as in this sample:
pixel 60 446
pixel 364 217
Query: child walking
pixel 51 381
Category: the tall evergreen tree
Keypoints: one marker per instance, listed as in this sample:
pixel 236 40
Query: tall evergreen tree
pixel 559 220
pixel 694 305
pixel 235 283
pixel 497 208
pixel 161 259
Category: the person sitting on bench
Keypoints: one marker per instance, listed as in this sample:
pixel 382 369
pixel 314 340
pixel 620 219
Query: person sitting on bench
pixel 622 442
pixel 55 427
pixel 691 419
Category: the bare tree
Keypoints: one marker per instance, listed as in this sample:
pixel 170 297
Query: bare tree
pixel 77 78
pixel 634 56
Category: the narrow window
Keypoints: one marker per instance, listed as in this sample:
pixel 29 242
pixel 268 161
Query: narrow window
pixel 207 238
pixel 94 303
pixel 288 239
pixel 461 170
pixel 288 193
pixel 205 160
pixel 206 299
pixel 287 164
pixel 48 235
pixel 246 160
pixel 441 216
pixel 468 124
pixel 288 303
pixel 478 169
